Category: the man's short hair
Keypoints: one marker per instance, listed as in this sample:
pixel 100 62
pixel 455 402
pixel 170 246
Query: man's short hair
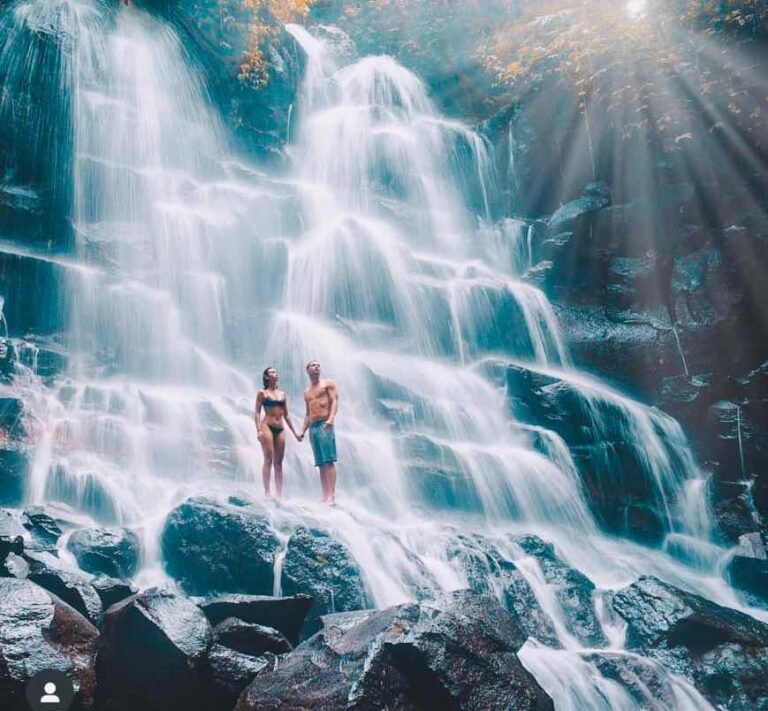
pixel 314 360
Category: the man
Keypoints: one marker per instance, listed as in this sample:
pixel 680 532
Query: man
pixel 322 400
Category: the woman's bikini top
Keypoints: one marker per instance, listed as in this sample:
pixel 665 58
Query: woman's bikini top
pixel 269 402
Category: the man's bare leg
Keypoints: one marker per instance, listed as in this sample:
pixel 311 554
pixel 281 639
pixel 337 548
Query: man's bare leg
pixel 324 482
pixel 331 483
pixel 328 480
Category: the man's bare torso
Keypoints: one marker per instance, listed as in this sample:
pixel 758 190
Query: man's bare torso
pixel 318 401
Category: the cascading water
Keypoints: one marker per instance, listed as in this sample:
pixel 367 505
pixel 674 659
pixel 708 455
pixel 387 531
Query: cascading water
pixel 192 273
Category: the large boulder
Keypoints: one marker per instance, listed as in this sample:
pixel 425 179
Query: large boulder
pixel 227 673
pixel 152 653
pixel 72 586
pixel 112 590
pixel 38 631
pixel 658 613
pixel 459 653
pixel 285 614
pixel 249 638
pixel 722 651
pixel 111 551
pixel 318 565
pixel 211 547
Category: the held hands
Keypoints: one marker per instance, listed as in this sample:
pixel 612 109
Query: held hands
pixel 328 424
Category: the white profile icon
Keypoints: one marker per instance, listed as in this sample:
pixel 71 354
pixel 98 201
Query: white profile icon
pixel 50 694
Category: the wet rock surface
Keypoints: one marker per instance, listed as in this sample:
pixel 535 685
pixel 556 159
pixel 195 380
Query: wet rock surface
pixel 460 654
pixel 38 631
pixel 284 614
pixel 112 551
pixel 249 638
pixel 211 547
pixel 73 587
pixel 152 653
pixel 227 672
pixel 112 590
pixel 722 651
pixel 321 567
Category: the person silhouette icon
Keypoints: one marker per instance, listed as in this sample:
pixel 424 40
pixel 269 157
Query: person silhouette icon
pixel 50 694
pixel 50 690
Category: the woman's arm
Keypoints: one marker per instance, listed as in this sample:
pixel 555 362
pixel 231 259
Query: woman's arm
pixel 257 415
pixel 288 421
pixel 305 424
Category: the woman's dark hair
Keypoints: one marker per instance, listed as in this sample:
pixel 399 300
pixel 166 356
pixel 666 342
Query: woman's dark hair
pixel 264 378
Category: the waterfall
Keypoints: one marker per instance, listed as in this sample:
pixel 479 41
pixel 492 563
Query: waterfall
pixel 192 271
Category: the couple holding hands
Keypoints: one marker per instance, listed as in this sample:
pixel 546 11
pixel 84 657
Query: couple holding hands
pixel 321 399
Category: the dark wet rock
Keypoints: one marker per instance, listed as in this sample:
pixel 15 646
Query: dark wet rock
pixel 459 653
pixel 733 676
pixel 13 471
pixel 660 614
pixel 12 417
pixel 42 526
pixel 152 653
pixel 211 547
pixel 35 304
pixel 285 614
pixel 227 673
pixel 112 551
pixel 722 651
pixel 249 638
pixel 38 631
pixel 733 438
pixel 632 351
pixel 46 358
pixel 749 575
pixel 686 397
pixel 112 590
pixel 318 565
pixel 574 591
pixel 486 569
pixel 72 587
pixel 8 359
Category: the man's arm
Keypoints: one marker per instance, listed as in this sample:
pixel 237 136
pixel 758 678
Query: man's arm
pixel 333 394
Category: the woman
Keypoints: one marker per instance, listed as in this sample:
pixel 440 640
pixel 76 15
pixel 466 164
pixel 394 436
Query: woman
pixel 270 429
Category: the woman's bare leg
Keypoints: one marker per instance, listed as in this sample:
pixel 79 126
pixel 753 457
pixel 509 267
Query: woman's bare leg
pixel 279 448
pixel 268 447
